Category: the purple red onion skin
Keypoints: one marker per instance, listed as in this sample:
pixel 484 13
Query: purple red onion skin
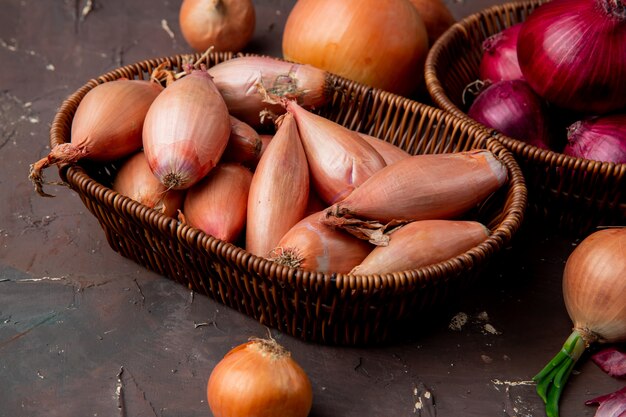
pixel 512 108
pixel 571 52
pixel 598 138
pixel 499 61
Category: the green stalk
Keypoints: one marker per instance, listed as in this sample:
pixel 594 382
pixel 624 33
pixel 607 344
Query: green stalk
pixel 552 378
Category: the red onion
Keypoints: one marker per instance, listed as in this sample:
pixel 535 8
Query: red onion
pixel 572 54
pixel 598 138
pixel 511 107
pixel 499 60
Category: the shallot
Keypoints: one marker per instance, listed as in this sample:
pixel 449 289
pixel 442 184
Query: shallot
pixel 186 130
pixel 217 204
pixel 245 81
pixel 135 180
pixel 313 246
pixel 340 160
pixel 107 126
pixel 279 191
pixel 422 243
pixel 420 187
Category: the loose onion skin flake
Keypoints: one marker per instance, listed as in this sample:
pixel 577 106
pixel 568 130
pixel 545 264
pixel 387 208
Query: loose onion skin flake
pixel 107 126
pixel 594 291
pixel 186 130
pixel 261 379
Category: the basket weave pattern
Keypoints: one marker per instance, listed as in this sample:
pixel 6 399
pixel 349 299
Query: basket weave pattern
pixel 571 195
pixel 324 308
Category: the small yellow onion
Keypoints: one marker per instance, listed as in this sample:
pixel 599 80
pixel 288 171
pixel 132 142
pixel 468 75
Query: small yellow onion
pixel 594 291
pixel 226 25
pixel 136 180
pixel 381 43
pixel 259 378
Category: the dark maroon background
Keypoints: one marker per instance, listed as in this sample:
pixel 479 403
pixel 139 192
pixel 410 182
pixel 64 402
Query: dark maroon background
pixel 73 313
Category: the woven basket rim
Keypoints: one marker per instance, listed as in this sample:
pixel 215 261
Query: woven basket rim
pixel 441 99
pixel 78 178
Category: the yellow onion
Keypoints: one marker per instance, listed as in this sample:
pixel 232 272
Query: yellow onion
pixel 226 25
pixel 436 16
pixel 594 291
pixel 421 187
pixel 244 144
pixel 313 246
pixel 135 180
pixel 217 204
pixel 245 81
pixel 261 379
pixel 186 131
pixel 107 126
pixel 390 153
pixel 339 158
pixel 422 243
pixel 380 43
pixel 279 191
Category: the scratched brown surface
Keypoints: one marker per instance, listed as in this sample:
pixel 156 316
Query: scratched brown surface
pixel 85 332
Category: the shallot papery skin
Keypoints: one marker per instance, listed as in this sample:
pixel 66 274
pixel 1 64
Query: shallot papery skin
pixel 279 192
pixel 390 153
pixel 244 144
pixel 340 160
pixel 423 243
pixel 107 125
pixel 217 204
pixel 186 130
pixel 245 81
pixel 423 187
pixel 135 180
pixel 313 246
